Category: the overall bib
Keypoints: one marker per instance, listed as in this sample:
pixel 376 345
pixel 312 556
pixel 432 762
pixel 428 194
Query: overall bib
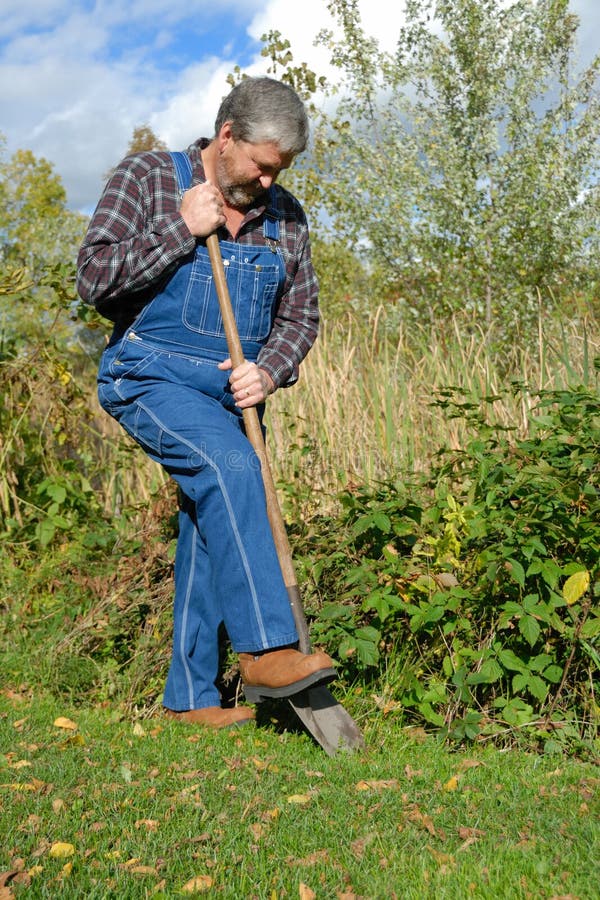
pixel 159 379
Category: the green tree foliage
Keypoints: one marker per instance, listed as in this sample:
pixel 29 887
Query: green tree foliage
pixel 36 227
pixel 464 165
pixel 39 239
pixel 44 416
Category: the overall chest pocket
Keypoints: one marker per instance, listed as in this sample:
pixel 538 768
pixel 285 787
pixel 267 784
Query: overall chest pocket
pixel 253 290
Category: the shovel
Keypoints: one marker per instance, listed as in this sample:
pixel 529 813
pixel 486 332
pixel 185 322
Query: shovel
pixel 326 719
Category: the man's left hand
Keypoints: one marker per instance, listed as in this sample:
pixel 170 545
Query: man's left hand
pixel 250 385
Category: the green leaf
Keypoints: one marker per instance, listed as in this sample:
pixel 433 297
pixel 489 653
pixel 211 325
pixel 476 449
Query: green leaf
pixel 520 681
pixel 553 674
pixel 591 628
pixel 433 614
pixel 538 687
pixel 517 712
pixel 368 634
pixel 551 573
pixel 429 714
pixel 57 492
pixel 488 674
pixel 382 522
pixel 511 661
pixel 333 611
pixel 516 571
pixel 45 531
pixel 530 629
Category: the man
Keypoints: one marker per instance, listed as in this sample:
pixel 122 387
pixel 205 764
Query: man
pixel 166 376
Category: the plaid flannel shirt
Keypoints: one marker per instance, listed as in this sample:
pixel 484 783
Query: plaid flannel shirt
pixel 136 239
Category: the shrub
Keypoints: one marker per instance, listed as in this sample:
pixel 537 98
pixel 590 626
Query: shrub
pixel 484 575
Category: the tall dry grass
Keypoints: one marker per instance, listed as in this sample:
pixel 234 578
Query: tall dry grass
pixel 363 409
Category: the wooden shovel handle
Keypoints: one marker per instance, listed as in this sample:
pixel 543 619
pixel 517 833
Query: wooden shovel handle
pixel 255 436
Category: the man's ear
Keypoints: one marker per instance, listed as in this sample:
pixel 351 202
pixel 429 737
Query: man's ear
pixel 224 137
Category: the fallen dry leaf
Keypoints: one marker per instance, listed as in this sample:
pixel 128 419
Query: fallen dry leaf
pixel 270 814
pixel 300 799
pixel 14 696
pixel 6 877
pixel 62 722
pixel 451 784
pixel 470 836
pixel 60 850
pixel 358 846
pixel 74 740
pixel 313 859
pixel 442 859
pixel 148 824
pixel 198 885
pixel 465 833
pixel 305 893
pixel 377 784
pixel 422 820
pixel 143 870
pixel 34 785
pixel 385 704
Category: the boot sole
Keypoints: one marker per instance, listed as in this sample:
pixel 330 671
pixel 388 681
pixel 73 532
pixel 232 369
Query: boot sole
pixel 256 693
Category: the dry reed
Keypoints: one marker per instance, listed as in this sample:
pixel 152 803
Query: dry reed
pixel 363 410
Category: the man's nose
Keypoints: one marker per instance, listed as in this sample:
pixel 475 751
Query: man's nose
pixel 266 181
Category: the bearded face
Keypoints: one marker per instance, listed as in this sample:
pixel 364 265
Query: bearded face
pixel 237 189
pixel 246 171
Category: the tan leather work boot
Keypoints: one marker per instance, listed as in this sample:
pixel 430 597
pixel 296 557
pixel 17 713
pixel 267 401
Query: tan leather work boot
pixel 281 673
pixel 213 716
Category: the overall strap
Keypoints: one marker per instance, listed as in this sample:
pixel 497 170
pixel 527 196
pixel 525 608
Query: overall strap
pixel 271 220
pixel 183 169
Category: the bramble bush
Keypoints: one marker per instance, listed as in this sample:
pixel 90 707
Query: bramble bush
pixel 479 584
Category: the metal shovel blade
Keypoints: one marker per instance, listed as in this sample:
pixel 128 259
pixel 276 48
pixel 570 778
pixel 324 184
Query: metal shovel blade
pixel 327 720
pixel 316 707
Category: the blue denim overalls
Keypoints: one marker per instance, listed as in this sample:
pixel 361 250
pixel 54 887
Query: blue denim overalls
pixel 159 379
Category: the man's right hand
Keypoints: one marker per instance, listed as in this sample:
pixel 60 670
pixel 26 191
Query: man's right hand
pixel 202 209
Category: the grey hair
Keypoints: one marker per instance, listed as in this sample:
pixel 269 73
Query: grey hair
pixel 263 110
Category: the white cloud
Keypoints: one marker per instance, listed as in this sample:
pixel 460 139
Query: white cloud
pixel 191 108
pixel 77 77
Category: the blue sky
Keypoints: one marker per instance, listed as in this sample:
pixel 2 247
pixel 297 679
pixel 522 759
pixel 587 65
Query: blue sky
pixel 77 76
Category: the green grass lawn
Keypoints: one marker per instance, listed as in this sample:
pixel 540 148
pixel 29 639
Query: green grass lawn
pixel 121 809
